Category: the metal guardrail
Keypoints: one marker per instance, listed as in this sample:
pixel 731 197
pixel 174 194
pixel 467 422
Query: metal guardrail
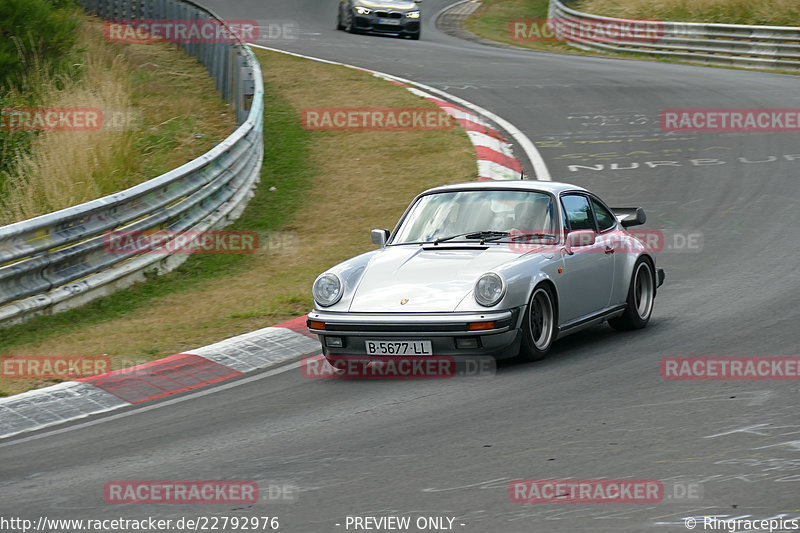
pixel 59 260
pixel 772 47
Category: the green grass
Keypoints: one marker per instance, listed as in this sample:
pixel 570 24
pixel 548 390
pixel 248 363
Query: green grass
pixel 139 83
pixel 320 194
pixel 750 12
pixel 34 35
pixel 286 167
pixel 492 20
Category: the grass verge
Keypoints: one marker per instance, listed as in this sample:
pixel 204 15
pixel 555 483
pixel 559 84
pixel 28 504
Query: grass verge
pixel 146 130
pixel 320 194
pixel 493 19
pixel 752 12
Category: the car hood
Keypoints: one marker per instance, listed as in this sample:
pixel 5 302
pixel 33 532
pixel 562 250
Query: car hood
pixel 388 4
pixel 426 279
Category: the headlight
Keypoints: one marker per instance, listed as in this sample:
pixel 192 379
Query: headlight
pixel 489 289
pixel 363 10
pixel 412 14
pixel 327 289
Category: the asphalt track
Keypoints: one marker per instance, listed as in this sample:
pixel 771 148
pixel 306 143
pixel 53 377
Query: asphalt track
pixel 596 408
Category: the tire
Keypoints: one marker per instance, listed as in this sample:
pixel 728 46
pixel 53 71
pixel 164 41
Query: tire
pixel 339 25
pixel 538 325
pixel 414 36
pixel 350 27
pixel 641 295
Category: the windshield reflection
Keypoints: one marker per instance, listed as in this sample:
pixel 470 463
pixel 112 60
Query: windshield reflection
pixel 467 215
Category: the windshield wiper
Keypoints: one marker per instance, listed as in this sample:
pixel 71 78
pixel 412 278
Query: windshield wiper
pixel 533 236
pixel 482 235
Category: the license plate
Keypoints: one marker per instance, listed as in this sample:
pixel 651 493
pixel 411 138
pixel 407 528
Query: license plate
pixel 398 347
pixel 389 22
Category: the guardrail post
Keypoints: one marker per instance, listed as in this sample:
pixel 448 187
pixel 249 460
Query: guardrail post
pixel 219 53
pixel 248 92
pixel 191 19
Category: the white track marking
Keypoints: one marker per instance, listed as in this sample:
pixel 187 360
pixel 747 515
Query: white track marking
pixel 533 155
pixel 186 397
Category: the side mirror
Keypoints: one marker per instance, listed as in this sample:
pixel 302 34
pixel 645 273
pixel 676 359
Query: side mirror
pixel 630 216
pixel 579 238
pixel 379 236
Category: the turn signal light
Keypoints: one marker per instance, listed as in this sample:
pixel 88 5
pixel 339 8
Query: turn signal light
pixel 316 324
pixel 481 326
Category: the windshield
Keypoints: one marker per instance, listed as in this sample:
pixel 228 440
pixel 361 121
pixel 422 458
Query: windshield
pixel 469 215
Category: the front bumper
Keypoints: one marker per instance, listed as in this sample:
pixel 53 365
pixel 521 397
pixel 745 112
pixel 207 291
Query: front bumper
pixel 449 333
pixel 384 24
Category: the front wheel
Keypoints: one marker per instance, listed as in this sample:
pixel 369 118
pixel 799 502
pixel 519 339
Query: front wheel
pixel 351 25
pixel 339 25
pixel 641 295
pixel 539 325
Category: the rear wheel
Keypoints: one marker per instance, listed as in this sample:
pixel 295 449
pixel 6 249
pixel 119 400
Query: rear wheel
pixel 641 294
pixel 539 325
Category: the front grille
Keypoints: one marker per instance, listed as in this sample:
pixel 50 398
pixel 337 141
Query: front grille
pixel 396 328
pixel 410 328
pixel 389 14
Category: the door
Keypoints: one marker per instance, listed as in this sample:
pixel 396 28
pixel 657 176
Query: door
pixel 585 284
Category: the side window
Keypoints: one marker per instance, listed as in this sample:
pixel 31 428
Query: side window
pixel 578 212
pixel 605 219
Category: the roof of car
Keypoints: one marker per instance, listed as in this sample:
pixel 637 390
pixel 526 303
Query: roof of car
pixel 554 187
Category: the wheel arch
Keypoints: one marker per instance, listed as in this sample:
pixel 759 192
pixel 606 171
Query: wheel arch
pixel 646 256
pixel 554 292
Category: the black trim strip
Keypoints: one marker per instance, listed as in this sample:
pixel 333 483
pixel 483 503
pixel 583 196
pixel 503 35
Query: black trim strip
pixel 332 327
pixel 582 321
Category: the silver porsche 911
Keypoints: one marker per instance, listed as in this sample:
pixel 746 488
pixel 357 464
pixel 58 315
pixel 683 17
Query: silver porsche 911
pixel 488 268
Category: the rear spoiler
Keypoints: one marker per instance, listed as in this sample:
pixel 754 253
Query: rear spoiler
pixel 630 216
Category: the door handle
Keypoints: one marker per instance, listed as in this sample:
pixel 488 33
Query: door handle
pixel 609 250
